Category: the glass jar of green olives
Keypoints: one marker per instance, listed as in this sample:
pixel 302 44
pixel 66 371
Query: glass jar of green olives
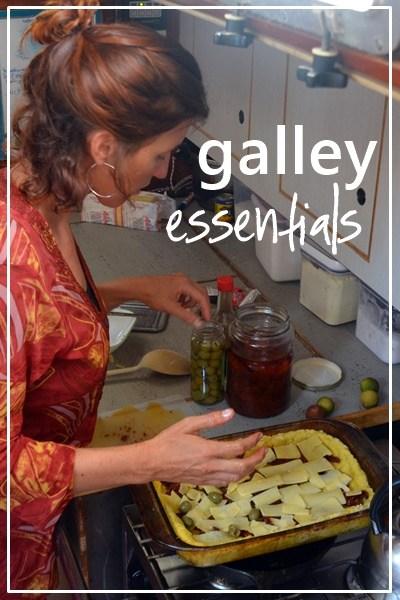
pixel 207 363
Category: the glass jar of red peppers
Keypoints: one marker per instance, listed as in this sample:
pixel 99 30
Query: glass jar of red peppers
pixel 259 360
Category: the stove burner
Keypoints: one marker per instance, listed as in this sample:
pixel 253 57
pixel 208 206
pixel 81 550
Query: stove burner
pixel 269 570
pixel 223 577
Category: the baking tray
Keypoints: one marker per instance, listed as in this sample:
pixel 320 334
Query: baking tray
pixel 376 470
pixel 148 320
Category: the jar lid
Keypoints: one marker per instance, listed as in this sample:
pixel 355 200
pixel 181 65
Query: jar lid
pixel 310 250
pixel 225 283
pixel 316 374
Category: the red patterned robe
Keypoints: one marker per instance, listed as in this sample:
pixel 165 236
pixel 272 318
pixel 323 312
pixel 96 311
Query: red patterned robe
pixel 59 352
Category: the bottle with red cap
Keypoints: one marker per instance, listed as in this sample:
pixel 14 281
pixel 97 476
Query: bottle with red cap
pixel 225 313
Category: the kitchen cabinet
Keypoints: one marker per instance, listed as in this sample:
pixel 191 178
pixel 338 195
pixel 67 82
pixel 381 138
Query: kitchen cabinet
pixel 354 113
pixel 269 81
pixel 396 199
pixel 360 115
pixel 227 79
pixel 375 274
pixel 263 79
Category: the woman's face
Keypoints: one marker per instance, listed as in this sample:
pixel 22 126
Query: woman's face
pixel 137 169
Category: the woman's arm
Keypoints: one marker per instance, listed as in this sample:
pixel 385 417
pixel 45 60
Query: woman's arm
pixel 176 294
pixel 178 454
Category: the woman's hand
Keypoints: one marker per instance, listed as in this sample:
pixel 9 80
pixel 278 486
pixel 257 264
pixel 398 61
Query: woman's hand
pixel 178 295
pixel 179 454
pixel 175 294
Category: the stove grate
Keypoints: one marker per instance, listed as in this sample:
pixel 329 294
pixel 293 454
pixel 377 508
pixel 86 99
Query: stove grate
pixel 164 569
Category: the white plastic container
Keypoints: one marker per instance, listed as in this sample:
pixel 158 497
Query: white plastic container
pixel 372 327
pixel 327 288
pixel 278 260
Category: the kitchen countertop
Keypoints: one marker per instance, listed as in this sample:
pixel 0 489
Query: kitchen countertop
pixel 115 252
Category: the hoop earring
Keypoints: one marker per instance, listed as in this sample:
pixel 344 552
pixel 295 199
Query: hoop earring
pixel 97 194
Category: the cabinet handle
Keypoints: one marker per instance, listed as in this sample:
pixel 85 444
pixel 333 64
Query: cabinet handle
pixel 361 196
pixel 241 117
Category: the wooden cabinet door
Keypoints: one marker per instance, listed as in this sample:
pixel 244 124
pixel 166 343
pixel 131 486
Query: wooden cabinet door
pixel 227 76
pixel 267 111
pixel 354 113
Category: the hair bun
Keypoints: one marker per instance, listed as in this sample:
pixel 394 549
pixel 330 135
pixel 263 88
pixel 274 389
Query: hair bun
pixel 53 25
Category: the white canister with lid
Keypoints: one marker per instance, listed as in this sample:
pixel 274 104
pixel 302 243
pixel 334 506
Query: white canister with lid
pixel 277 259
pixel 327 288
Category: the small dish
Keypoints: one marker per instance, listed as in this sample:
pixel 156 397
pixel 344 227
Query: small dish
pixel 119 328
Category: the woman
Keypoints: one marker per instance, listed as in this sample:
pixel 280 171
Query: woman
pixel 104 107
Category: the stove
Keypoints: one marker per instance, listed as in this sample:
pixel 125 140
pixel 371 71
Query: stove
pixel 330 564
pixel 323 565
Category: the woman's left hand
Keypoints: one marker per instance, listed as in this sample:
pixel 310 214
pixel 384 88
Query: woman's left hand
pixel 177 295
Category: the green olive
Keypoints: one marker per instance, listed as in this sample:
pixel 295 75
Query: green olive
pixel 214 362
pixel 254 514
pixel 202 363
pixel 215 497
pixel 184 507
pixel 195 346
pixel 189 523
pixel 234 530
pixel 197 395
pixel 210 400
pixel 206 344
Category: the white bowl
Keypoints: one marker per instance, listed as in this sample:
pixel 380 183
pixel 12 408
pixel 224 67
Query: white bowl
pixel 119 328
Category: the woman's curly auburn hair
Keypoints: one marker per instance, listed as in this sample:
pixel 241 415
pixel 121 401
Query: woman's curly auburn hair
pixel 128 80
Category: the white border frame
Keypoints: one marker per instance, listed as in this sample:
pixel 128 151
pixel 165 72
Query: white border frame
pixel 390 127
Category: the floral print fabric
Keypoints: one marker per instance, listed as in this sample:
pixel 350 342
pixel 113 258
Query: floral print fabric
pixel 59 353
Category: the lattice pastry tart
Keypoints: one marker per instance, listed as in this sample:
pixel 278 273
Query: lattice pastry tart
pixel 306 476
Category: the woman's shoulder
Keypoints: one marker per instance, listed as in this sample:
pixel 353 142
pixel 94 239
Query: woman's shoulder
pixel 26 229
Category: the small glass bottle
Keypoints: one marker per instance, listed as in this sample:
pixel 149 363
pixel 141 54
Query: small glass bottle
pixel 259 361
pixel 225 313
pixel 207 363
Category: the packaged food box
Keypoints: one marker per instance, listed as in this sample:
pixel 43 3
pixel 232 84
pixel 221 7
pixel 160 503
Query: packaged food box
pixel 146 210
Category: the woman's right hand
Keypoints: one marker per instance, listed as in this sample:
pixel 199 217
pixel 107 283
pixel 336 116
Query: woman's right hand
pixel 179 454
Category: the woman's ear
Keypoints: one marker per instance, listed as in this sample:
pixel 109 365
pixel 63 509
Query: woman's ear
pixel 102 145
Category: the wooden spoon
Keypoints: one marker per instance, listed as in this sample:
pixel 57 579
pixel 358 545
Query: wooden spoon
pixel 162 361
